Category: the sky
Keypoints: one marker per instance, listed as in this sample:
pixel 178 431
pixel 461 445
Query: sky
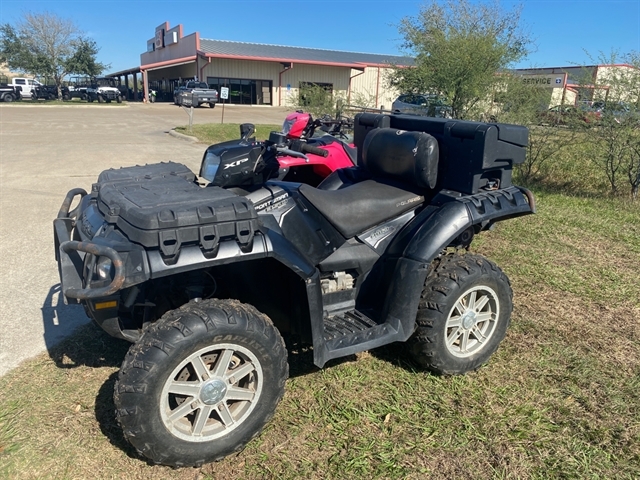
pixel 565 32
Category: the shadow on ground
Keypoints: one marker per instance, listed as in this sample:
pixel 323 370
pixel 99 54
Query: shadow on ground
pixel 72 340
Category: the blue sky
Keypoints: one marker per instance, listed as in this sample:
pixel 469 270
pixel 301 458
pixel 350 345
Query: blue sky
pixel 564 30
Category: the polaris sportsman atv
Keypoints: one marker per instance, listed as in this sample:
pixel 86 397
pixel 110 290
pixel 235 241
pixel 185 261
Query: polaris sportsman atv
pixel 206 281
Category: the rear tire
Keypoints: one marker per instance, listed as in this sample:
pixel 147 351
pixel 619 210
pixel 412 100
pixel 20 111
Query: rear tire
pixel 212 105
pixel 201 382
pixel 463 315
pixel 8 98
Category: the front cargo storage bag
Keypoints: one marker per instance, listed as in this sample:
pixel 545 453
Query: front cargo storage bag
pixel 167 210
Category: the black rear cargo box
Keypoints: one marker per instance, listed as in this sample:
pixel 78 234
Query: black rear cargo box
pixel 473 155
pixel 160 206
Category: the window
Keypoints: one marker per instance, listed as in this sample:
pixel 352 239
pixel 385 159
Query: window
pixel 243 91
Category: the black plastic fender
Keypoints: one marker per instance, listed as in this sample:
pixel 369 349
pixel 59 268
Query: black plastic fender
pixel 433 230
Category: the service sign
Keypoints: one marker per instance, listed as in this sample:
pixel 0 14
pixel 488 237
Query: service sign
pixel 224 93
pixel 549 81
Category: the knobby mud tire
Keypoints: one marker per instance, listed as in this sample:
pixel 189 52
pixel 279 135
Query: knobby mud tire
pixel 166 347
pixel 437 343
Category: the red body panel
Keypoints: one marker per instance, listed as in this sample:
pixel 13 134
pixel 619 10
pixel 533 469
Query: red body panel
pixel 322 166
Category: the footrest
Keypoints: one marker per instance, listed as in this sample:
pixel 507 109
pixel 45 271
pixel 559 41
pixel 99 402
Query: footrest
pixel 346 324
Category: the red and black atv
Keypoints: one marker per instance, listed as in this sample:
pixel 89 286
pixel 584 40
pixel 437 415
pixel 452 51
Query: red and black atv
pixel 305 151
pixel 206 281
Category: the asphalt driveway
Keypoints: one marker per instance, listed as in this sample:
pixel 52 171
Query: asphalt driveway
pixel 44 152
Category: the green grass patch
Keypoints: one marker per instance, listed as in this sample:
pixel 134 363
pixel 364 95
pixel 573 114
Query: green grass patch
pixel 559 399
pixel 211 133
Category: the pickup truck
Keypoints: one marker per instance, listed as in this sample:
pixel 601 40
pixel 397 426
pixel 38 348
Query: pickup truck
pixel 9 92
pixel 195 93
pixel 26 84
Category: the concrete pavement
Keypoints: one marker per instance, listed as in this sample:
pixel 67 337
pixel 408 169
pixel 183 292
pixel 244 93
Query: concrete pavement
pixel 44 152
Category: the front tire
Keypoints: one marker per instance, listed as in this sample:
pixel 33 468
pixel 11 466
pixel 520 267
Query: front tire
pixel 201 382
pixel 463 315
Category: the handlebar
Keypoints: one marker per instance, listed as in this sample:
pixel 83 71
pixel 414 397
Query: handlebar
pixel 306 148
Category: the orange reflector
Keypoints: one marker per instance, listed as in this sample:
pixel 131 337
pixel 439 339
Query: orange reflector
pixel 103 305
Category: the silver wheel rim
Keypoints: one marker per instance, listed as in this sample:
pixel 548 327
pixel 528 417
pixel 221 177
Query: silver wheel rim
pixel 472 321
pixel 211 392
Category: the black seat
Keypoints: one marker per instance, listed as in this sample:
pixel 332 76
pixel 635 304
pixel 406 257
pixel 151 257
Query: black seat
pixel 354 209
pixel 400 168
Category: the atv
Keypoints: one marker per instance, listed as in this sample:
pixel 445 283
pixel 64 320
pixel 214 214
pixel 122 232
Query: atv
pixel 307 150
pixel 206 281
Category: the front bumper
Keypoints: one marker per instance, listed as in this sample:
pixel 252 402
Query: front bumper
pixel 70 256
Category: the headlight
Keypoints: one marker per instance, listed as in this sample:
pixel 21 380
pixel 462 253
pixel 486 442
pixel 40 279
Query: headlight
pixel 210 166
pixel 104 268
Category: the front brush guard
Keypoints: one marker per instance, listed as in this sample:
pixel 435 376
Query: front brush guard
pixel 70 262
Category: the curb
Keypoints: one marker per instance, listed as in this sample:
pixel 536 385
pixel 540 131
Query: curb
pixel 182 136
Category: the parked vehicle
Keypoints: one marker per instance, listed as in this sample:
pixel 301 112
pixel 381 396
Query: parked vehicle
pixel 78 87
pixel 303 154
pixel 620 112
pixel 104 89
pixel 9 92
pixel 49 92
pixel 27 85
pixel 196 94
pixel 427 105
pixel 569 115
pixel 206 281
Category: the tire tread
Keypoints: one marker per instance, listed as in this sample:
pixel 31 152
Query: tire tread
pixel 164 336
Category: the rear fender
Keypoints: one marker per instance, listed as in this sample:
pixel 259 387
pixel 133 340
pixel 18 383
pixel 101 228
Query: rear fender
pixel 430 233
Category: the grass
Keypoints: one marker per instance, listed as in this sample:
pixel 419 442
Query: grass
pixel 559 399
pixel 215 133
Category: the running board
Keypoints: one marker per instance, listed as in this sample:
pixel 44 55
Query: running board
pixel 352 332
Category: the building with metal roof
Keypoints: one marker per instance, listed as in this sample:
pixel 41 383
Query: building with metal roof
pixel 261 74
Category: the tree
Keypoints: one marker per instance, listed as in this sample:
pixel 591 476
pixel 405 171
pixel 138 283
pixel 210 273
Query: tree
pixel 615 94
pixel 316 99
pixel 45 45
pixel 459 47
